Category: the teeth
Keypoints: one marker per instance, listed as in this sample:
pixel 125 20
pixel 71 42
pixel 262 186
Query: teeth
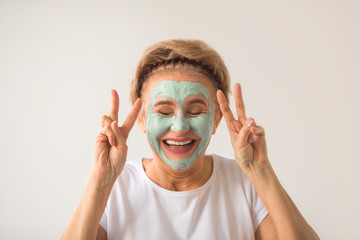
pixel 177 143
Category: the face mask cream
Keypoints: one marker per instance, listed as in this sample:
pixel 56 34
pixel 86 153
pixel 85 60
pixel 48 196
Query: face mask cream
pixel 158 125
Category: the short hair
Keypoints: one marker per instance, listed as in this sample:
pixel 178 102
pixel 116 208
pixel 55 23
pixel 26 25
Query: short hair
pixel 199 57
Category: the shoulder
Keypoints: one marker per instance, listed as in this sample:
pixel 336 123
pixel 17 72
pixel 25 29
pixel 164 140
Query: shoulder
pixel 232 177
pixel 223 161
pixel 229 173
pixel 131 172
pixel 227 166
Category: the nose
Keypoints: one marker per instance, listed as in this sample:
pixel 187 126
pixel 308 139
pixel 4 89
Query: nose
pixel 180 123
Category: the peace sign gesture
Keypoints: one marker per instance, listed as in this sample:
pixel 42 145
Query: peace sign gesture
pixel 247 139
pixel 110 143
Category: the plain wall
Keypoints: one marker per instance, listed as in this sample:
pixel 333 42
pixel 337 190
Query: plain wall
pixel 297 61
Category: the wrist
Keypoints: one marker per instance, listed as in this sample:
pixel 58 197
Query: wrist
pixel 261 171
pixel 102 181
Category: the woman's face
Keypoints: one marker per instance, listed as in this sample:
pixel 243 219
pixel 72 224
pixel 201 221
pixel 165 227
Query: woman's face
pixel 179 116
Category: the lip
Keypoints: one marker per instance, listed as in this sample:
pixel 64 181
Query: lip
pixel 179 139
pixel 178 149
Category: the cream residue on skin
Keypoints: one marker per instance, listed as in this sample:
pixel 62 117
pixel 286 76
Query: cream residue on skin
pixel 157 125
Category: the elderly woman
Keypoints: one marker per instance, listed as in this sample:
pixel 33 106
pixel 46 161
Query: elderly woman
pixel 179 95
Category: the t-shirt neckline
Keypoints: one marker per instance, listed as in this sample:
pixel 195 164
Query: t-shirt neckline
pixel 179 193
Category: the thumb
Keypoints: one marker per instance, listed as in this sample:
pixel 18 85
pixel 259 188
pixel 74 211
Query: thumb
pixel 116 130
pixel 245 132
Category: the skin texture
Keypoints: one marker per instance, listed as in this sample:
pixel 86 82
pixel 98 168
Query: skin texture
pixel 284 220
pixel 158 124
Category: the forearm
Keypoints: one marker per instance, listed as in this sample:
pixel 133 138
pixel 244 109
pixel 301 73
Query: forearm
pixel 85 221
pixel 289 222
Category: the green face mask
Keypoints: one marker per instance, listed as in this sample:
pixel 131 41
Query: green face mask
pixel 157 125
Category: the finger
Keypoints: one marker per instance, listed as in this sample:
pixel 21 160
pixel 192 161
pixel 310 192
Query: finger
pixel 225 109
pixel 114 107
pixel 101 137
pixel 239 103
pixel 258 131
pixel 131 118
pixel 245 131
pixel 252 138
pixel 105 120
pixel 118 136
pixel 109 133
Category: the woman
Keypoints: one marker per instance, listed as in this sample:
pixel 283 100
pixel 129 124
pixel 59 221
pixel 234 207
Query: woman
pixel 179 96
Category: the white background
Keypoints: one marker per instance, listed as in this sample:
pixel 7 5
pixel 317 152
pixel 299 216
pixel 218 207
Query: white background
pixel 297 61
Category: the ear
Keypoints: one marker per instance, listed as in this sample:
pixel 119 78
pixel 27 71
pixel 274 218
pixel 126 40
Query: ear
pixel 140 120
pixel 217 121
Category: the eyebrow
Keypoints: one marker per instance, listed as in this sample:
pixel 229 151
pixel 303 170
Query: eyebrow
pixel 196 101
pixel 164 102
pixel 171 103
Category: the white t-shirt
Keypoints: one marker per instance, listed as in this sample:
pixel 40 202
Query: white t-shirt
pixel 225 207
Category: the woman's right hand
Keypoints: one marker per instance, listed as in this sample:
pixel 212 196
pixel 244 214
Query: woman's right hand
pixel 110 143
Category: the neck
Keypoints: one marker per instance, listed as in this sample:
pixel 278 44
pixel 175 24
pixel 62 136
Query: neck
pixel 179 180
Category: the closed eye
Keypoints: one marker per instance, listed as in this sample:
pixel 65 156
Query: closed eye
pixel 195 113
pixel 196 110
pixel 165 113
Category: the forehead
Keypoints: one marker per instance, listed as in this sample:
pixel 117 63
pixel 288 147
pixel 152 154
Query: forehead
pixel 178 90
pixel 194 82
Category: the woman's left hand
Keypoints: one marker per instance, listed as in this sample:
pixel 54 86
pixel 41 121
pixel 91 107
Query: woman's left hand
pixel 248 139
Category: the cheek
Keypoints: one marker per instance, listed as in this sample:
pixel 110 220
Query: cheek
pixel 156 125
pixel 203 125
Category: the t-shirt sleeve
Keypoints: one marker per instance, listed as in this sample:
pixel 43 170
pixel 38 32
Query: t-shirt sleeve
pixel 259 212
pixel 103 220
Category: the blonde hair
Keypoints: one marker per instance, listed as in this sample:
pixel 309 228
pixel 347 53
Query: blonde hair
pixel 178 54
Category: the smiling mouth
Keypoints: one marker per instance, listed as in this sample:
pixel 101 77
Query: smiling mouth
pixel 171 143
pixel 178 146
